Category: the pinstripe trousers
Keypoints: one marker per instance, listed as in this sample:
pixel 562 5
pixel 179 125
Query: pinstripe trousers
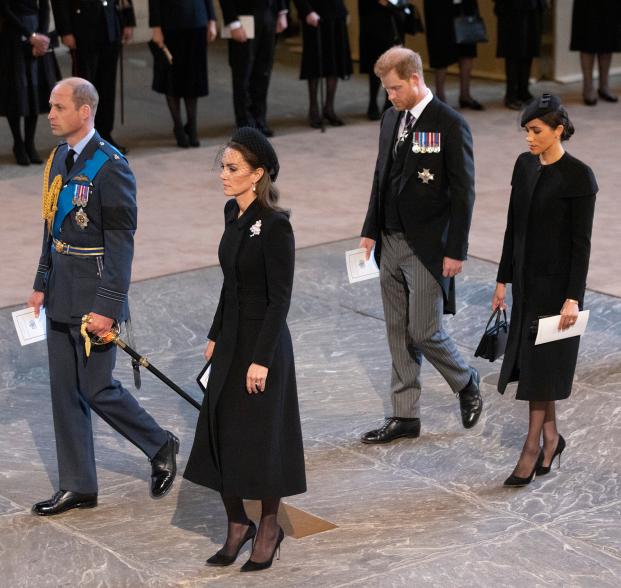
pixel 413 310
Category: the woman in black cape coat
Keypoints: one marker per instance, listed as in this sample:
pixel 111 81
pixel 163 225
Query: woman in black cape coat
pixel 28 71
pixel 545 257
pixel 596 32
pixel 248 441
pixel 325 54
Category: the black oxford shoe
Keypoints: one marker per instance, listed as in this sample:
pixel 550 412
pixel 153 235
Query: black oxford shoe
pixel 470 401
pixel 164 467
pixel 62 501
pixel 393 428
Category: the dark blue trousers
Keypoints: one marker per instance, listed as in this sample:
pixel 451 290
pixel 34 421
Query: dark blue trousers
pixel 79 385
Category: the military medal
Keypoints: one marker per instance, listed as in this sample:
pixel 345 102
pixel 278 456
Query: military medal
pixel 426 176
pixel 416 143
pixel 82 219
pixel 80 195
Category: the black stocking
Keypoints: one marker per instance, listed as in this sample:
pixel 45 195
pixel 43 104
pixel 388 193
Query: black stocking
pixel 328 107
pixel 267 535
pixel 313 106
pixel 174 105
pixel 191 112
pixel 16 130
pixel 238 522
pixel 374 86
pixel 30 128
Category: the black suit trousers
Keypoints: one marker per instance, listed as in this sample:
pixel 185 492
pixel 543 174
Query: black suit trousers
pixel 98 65
pixel 251 67
pixel 79 385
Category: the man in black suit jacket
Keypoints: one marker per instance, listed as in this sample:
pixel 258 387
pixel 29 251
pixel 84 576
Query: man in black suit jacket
pixel 85 268
pixel 251 60
pixel 93 30
pixel 418 221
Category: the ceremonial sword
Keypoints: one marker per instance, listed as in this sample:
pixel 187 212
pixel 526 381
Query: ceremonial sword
pixel 113 336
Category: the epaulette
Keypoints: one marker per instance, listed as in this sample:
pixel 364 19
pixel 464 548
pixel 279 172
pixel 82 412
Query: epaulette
pixel 110 151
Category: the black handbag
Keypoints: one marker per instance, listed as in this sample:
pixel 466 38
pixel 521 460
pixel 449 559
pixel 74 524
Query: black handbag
pixel 494 340
pixel 469 29
pixel 407 16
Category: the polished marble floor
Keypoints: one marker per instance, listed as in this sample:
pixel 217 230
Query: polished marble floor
pixel 425 512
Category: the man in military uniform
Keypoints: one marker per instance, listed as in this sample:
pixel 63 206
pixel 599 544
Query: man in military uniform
pixel 89 205
pixel 93 30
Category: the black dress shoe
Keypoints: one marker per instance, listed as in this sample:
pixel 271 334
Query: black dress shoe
pixel 588 101
pixel 470 401
pixel 221 559
pixel 164 467
pixel 181 137
pixel 192 135
pixel 607 96
pixel 21 157
pixel 256 566
pixel 33 154
pixel 470 103
pixel 62 501
pixel 334 120
pixel 513 103
pixel 393 428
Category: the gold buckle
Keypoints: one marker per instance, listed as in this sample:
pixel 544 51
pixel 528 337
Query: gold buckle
pixel 59 246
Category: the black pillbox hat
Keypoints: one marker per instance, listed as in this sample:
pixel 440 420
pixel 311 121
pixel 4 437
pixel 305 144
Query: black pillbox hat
pixel 540 107
pixel 255 142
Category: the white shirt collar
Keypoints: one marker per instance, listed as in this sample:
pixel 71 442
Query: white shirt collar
pixel 418 109
pixel 79 146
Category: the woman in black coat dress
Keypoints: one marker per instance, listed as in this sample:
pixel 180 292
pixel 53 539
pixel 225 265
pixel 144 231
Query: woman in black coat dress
pixel 545 257
pixel 520 24
pixel 184 27
pixel 379 31
pixel 596 31
pixel 324 30
pixel 248 441
pixel 444 50
pixel 27 71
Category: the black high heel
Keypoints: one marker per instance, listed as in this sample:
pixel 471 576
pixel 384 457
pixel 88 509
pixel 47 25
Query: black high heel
pixel 220 559
pixel 470 103
pixel 192 133
pixel 607 96
pixel 255 566
pixel 21 157
pixel 181 137
pixel 560 446
pixel 514 481
pixel 33 154
pixel 334 120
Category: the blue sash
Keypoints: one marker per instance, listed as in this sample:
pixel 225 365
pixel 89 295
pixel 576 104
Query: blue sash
pixel 65 198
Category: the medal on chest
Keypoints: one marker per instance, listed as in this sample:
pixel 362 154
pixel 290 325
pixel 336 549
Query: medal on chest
pixel 426 142
pixel 81 195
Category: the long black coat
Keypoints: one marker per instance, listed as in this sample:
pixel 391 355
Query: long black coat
pixel 545 257
pixel 250 445
pixel 440 31
pixel 520 24
pixel 435 216
pixel 379 31
pixel 596 26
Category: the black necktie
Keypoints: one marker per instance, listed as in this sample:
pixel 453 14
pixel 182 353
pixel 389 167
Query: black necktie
pixel 409 123
pixel 69 160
